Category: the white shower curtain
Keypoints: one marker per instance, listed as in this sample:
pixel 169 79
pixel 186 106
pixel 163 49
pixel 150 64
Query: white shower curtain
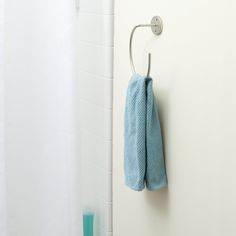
pixel 2 151
pixel 37 114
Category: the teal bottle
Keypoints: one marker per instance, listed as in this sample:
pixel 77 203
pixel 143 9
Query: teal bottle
pixel 88 219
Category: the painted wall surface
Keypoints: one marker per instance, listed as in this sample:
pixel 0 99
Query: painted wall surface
pixel 95 81
pixel 194 73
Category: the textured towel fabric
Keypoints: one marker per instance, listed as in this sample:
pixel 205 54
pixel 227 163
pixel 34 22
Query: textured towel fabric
pixel 144 159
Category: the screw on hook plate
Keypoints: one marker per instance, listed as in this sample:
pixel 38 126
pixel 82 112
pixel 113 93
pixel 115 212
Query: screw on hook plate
pixel 157 25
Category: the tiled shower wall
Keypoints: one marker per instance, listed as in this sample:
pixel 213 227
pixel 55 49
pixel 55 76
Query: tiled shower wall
pixel 95 75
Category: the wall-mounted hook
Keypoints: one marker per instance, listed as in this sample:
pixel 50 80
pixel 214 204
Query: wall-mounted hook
pixel 157 27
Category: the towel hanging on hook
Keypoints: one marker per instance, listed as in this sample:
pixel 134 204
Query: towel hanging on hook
pixel 157 27
pixel 144 163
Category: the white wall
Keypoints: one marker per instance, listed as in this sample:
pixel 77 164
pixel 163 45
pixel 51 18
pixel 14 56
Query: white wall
pixel 194 76
pixel 42 187
pixel 95 73
pixel 2 150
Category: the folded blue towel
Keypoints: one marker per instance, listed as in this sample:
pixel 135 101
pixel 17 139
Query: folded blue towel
pixel 144 159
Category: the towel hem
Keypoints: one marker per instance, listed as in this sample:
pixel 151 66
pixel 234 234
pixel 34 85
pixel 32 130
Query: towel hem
pixel 157 187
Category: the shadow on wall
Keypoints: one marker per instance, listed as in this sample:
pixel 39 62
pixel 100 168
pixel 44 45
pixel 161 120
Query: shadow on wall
pixel 158 200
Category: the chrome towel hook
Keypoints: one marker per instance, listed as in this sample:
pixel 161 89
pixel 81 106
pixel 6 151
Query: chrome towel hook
pixel 156 27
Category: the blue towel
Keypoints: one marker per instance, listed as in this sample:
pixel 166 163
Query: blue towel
pixel 143 151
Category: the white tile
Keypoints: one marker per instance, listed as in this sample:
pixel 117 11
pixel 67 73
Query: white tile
pixel 95 85
pixel 95 59
pixel 96 185
pixel 102 216
pixel 109 234
pixel 109 155
pixel 108 189
pixel 97 29
pixel 95 119
pixel 99 231
pixel 99 223
pixel 108 217
pixel 100 154
pixel 95 89
pixel 100 183
pixel 93 186
pixel 97 6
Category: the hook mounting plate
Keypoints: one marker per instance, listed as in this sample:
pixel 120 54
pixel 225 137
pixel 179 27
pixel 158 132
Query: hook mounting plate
pixel 157 25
